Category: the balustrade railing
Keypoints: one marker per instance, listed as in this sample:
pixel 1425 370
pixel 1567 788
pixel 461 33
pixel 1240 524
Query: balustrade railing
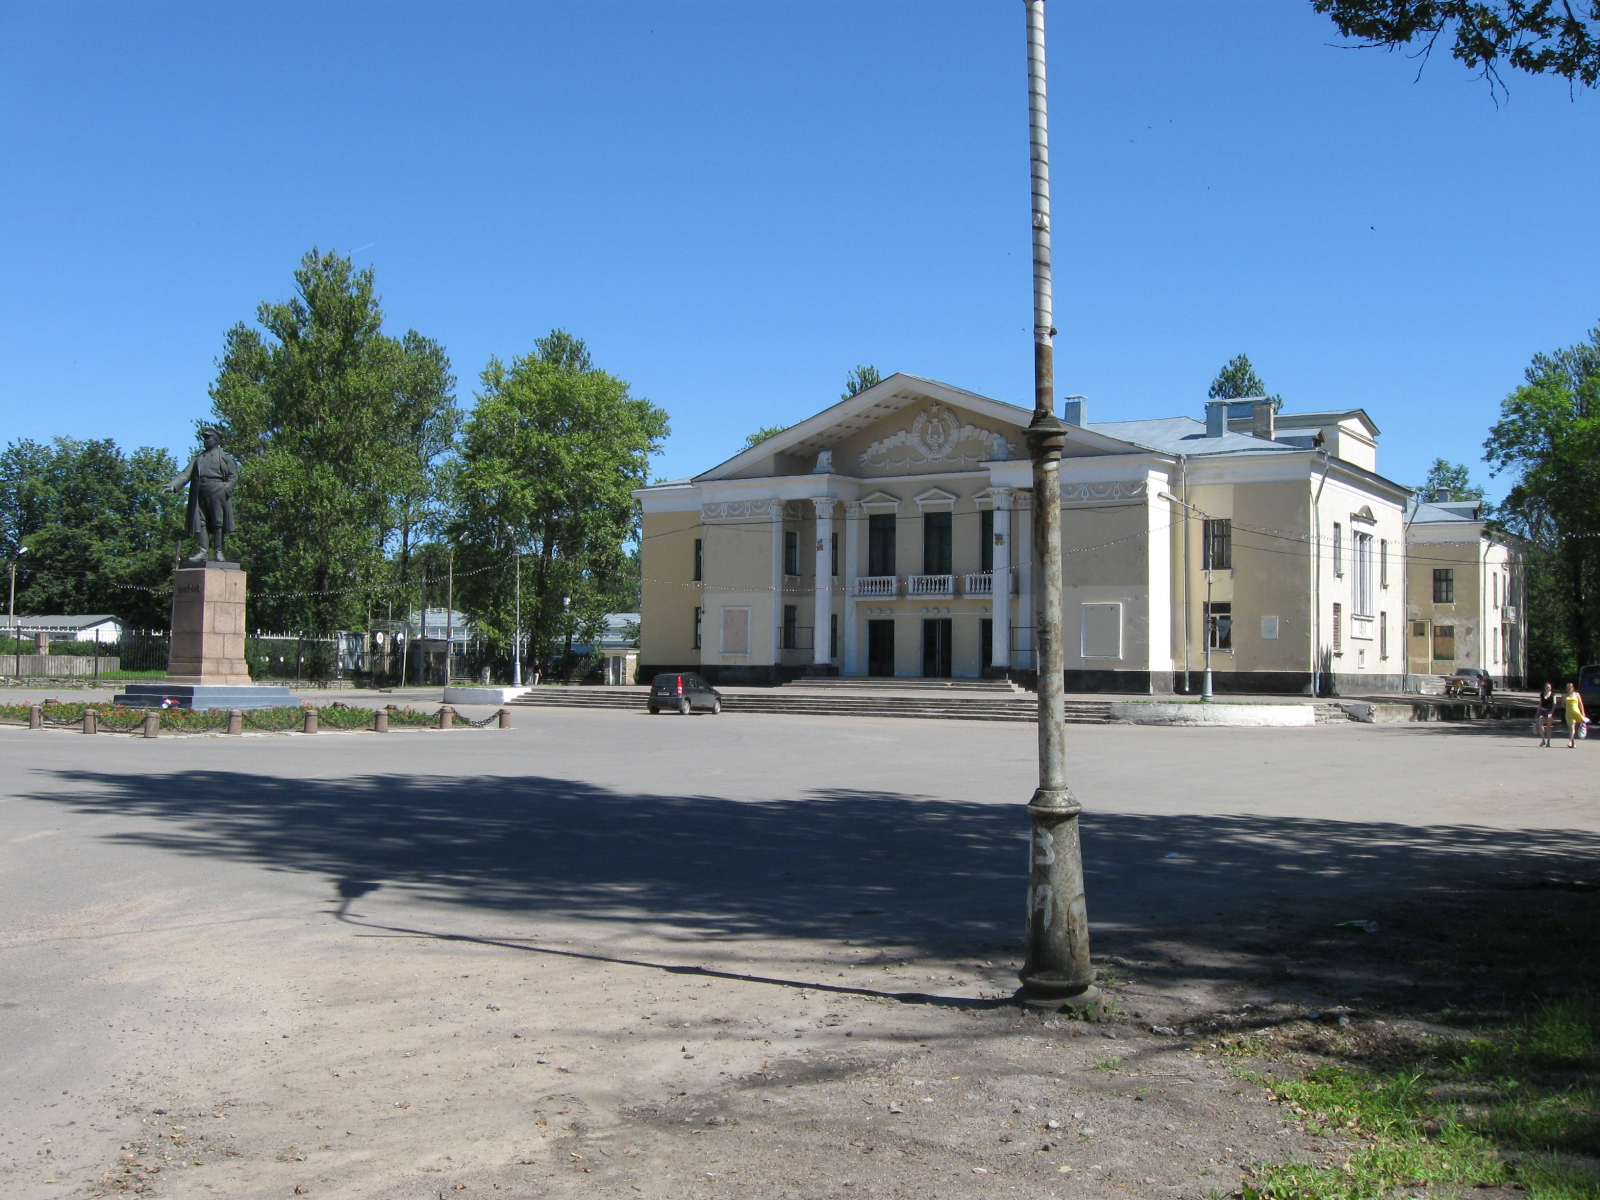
pixel 878 586
pixel 931 585
pixel 980 583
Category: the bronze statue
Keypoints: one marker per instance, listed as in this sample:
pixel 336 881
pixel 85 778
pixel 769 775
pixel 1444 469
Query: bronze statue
pixel 210 475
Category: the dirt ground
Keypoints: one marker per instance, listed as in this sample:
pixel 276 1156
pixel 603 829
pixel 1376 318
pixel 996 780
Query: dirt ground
pixel 279 972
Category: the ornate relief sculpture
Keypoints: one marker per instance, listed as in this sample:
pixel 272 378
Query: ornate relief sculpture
pixel 936 436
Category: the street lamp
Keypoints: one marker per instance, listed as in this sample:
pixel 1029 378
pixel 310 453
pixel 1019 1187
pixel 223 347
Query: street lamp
pixel 1055 971
pixel 16 638
pixel 516 638
pixel 1205 687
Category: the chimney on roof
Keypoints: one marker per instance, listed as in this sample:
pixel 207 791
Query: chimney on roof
pixel 1264 419
pixel 1216 418
pixel 1075 411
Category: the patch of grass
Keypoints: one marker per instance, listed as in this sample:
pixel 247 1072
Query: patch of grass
pixel 1510 1106
pixel 1107 1064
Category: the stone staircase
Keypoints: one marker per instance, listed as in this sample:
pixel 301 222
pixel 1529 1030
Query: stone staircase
pixel 997 700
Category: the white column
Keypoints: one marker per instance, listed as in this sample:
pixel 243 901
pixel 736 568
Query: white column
pixel 1000 599
pixel 822 609
pixel 1022 539
pixel 852 556
pixel 775 626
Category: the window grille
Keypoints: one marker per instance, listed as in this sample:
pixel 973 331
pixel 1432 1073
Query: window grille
pixel 1338 629
pixel 1444 586
pixel 1219 625
pixel 791 552
pixel 1216 545
pixel 1338 548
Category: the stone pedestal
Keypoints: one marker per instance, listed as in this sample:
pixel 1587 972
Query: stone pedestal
pixel 208 626
pixel 205 664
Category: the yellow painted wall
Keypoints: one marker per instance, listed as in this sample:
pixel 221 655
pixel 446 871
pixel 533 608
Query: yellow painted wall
pixel 668 594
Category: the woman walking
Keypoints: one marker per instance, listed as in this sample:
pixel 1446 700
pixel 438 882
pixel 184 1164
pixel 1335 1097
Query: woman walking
pixel 1576 715
pixel 1545 719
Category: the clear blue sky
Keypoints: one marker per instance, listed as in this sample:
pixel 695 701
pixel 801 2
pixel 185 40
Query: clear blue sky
pixel 735 203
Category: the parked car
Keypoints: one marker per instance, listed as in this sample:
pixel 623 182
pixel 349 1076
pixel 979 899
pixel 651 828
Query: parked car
pixel 1588 687
pixel 683 692
pixel 1470 681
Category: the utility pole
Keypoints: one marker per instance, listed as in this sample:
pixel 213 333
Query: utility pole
pixel 16 638
pixel 449 615
pixel 516 638
pixel 1056 971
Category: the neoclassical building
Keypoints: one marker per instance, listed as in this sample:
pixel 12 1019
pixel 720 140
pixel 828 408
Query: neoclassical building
pixel 890 535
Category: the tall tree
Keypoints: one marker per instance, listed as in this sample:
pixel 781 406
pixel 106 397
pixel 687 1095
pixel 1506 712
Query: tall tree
pixel 99 531
pixel 549 459
pixel 338 429
pixel 1548 437
pixel 1452 478
pixel 1237 380
pixel 1541 37
pixel 860 380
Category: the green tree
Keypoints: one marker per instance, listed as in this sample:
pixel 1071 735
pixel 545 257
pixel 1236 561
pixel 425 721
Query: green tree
pixel 1238 380
pixel 762 434
pixel 860 380
pixel 549 459
pixel 1548 437
pixel 1453 478
pixel 1541 37
pixel 99 531
pixel 339 430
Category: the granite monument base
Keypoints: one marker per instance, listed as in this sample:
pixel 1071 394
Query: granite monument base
pixel 201 697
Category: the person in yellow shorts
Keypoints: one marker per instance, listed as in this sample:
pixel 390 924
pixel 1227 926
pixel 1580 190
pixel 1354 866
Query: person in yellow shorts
pixel 1577 716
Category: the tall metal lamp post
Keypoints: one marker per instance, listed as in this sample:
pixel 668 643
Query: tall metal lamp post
pixel 1056 971
pixel 16 639
pixel 516 637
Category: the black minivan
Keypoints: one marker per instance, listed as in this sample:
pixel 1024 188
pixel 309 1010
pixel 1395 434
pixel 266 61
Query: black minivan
pixel 683 692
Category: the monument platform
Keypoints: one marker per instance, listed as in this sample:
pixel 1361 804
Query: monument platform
pixel 206 667
pixel 201 697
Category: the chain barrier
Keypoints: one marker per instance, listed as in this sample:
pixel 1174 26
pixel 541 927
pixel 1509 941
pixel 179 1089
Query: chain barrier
pixel 471 724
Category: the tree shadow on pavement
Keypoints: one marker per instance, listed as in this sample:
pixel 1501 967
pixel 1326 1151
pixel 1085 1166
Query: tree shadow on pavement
pixel 879 866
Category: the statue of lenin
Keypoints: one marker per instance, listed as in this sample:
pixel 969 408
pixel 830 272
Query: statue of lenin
pixel 210 475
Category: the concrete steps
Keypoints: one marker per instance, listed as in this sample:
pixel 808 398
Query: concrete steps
pixel 1018 707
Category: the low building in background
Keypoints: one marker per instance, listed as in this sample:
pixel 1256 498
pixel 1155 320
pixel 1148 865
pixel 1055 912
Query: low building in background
pixel 891 535
pixel 100 628
pixel 1465 591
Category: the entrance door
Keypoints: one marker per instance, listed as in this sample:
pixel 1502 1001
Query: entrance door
pixel 880 647
pixel 936 647
pixel 986 641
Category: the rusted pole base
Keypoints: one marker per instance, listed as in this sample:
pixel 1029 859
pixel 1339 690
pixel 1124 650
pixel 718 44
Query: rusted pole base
pixel 235 721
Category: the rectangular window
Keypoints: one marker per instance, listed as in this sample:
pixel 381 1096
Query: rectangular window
pixel 791 626
pixel 1444 643
pixel 1497 589
pixel 699 560
pixel 1219 625
pixel 1338 629
pixel 1383 635
pixel 880 544
pixel 791 552
pixel 736 631
pixel 833 555
pixel 936 543
pixel 1362 591
pixel 698 613
pixel 1383 563
pixel 1102 631
pixel 986 541
pixel 1444 587
pixel 1338 548
pixel 1269 629
pixel 833 635
pixel 1216 545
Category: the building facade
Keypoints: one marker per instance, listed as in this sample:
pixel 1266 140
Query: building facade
pixel 891 535
pixel 1465 592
